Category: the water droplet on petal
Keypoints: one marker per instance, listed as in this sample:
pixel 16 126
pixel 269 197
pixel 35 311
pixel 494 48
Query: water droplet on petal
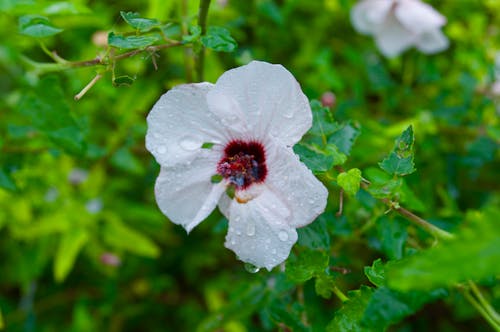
pixel 311 201
pixel 250 229
pixel 238 232
pixel 233 242
pixel 251 268
pixel 273 251
pixel 189 143
pixel 161 150
pixel 283 235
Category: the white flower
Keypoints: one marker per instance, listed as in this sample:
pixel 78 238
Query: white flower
pixel 398 25
pixel 237 135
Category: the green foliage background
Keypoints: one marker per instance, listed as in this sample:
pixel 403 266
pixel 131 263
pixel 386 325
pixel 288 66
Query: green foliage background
pixel 76 182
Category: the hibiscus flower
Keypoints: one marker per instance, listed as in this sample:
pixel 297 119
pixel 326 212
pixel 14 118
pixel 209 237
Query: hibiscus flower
pixel 398 25
pixel 229 144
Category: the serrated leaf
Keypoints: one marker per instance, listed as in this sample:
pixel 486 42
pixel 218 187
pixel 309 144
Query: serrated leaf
pixel 130 42
pixel 315 235
pixel 120 236
pixel 70 246
pixel 473 254
pixel 317 158
pixel 219 39
pixel 348 317
pixel 387 307
pixel 400 160
pixel 47 110
pixel 138 22
pixel 344 138
pixel 307 264
pixel 376 273
pixel 37 26
pixel 392 234
pixel 350 181
pixel 387 189
pixel 323 123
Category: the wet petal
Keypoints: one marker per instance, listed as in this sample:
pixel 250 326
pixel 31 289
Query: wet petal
pixel 269 98
pixel 258 232
pixel 368 15
pixel 295 184
pixel 433 41
pixel 180 123
pixel 418 16
pixel 186 194
pixel 393 38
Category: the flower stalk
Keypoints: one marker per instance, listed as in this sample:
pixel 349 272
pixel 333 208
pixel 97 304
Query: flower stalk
pixel 202 22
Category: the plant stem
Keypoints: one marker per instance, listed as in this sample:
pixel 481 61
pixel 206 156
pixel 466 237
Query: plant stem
pixel 481 310
pixel 434 230
pixel 2 324
pixel 88 86
pixel 486 305
pixel 202 22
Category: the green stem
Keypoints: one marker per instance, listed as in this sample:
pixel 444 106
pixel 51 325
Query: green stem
pixel 2 324
pixel 482 311
pixel 202 22
pixel 486 305
pixel 432 229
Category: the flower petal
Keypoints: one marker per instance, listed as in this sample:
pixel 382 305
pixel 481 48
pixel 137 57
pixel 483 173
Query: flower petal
pixel 269 98
pixel 418 16
pixel 393 38
pixel 295 184
pixel 432 41
pixel 368 15
pixel 258 232
pixel 179 123
pixel 185 193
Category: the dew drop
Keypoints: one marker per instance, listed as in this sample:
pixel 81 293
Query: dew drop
pixel 189 143
pixel 250 229
pixel 251 268
pixel 311 201
pixel 233 242
pixel 238 232
pixel 161 150
pixel 283 236
pixel 274 251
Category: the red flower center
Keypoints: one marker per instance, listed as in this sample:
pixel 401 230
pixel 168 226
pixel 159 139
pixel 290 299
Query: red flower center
pixel 243 163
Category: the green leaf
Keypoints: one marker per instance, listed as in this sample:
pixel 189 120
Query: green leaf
pixel 130 42
pixel 376 273
pixel 306 265
pixel 120 236
pixel 139 23
pixel 47 110
pixel 392 234
pixel 387 307
pixel 400 160
pixel 6 181
pixel 195 33
pixel 344 138
pixel 37 26
pixel 324 285
pixel 69 247
pixel 348 317
pixel 124 80
pixel 323 123
pixel 350 181
pixel 315 235
pixel 280 314
pixel 474 254
pixel 319 159
pixel 219 39
pixel 387 189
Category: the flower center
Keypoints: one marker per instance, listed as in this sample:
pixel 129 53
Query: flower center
pixel 243 163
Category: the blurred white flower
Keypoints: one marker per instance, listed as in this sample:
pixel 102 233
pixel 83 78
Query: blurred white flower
pixel 230 144
pixel 77 176
pixel 110 259
pixel 398 25
pixel 94 206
